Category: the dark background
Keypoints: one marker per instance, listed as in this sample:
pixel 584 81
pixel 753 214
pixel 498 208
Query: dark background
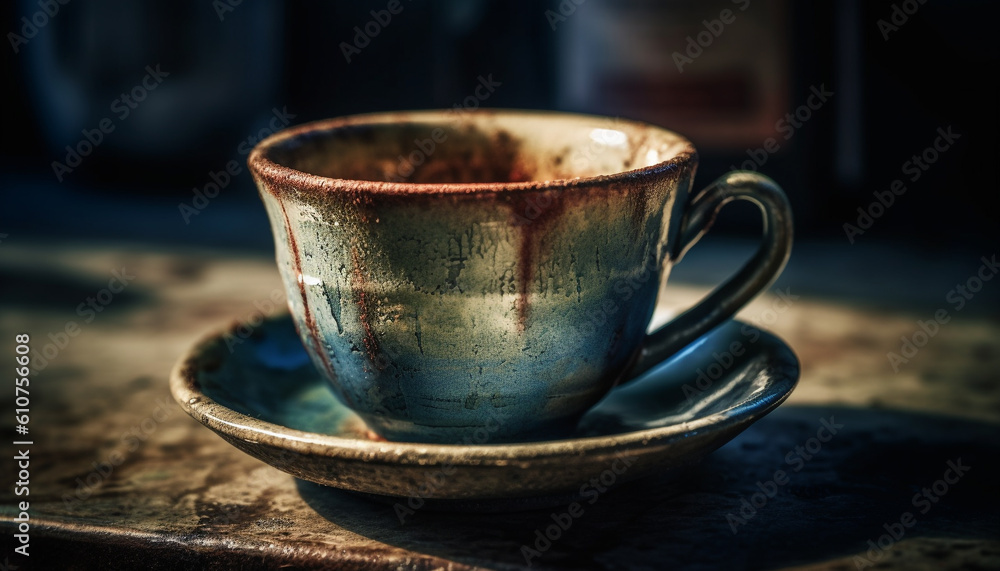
pixel 230 66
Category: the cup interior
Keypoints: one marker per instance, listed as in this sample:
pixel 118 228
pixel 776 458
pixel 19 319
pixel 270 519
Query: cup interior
pixel 472 147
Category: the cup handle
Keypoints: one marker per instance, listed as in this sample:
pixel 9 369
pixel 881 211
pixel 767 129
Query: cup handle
pixel 756 275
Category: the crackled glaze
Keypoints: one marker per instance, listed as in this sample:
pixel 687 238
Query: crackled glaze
pixel 508 273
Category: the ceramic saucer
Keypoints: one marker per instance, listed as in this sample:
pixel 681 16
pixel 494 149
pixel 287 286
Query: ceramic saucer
pixel 263 396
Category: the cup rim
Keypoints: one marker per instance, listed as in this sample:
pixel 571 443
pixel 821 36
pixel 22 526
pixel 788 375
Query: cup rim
pixel 262 166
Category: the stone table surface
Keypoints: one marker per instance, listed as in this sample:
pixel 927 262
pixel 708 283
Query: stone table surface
pixel 120 477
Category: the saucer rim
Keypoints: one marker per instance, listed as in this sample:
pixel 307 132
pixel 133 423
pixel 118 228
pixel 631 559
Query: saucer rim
pixel 185 389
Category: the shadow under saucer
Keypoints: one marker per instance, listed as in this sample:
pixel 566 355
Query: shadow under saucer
pixel 830 503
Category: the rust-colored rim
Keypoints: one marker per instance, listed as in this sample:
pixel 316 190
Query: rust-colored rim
pixel 263 167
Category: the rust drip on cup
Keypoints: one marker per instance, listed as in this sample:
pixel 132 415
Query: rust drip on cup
pixel 533 215
pixel 310 321
pixel 366 313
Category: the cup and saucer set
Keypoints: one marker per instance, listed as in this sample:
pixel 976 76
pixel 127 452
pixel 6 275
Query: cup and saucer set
pixel 469 306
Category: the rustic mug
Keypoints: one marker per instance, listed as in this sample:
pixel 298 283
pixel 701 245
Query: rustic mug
pixel 487 276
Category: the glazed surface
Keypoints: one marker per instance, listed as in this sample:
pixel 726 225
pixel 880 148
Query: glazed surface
pixel 430 311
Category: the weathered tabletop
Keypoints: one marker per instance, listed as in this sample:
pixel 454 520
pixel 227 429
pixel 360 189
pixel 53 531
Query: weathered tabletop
pixel 121 478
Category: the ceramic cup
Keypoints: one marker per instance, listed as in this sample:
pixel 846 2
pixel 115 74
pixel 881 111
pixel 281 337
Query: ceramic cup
pixel 488 276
